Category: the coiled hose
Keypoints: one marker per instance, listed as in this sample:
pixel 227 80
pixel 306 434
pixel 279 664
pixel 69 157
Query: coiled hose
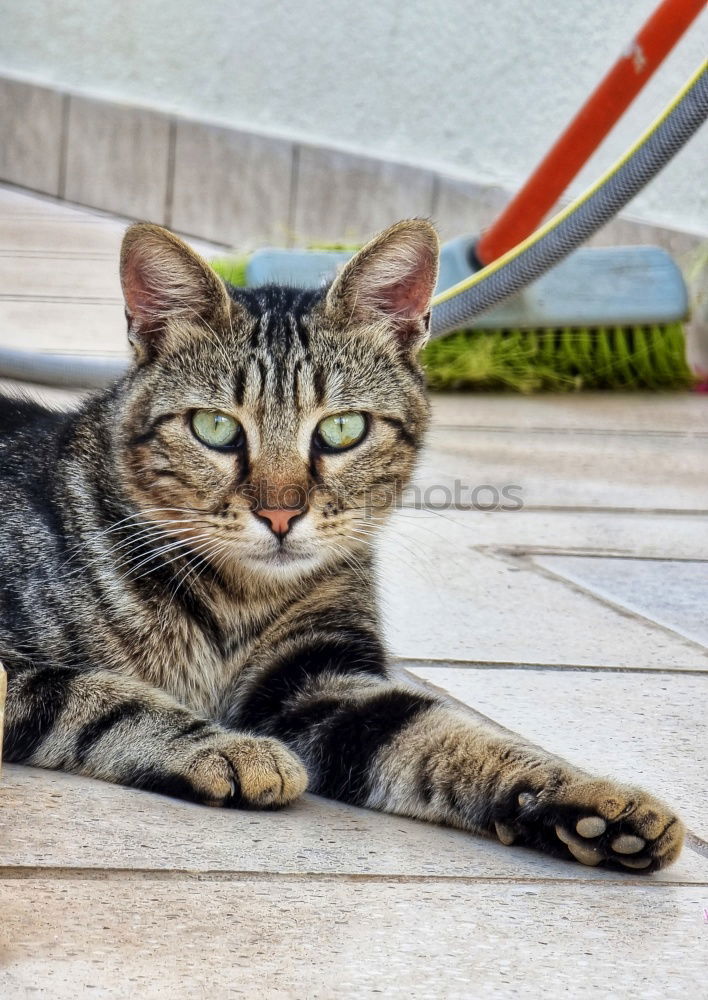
pixel 576 223
pixel 456 306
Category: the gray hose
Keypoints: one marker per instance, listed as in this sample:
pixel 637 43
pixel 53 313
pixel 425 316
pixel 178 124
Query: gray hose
pixel 589 215
pixel 65 370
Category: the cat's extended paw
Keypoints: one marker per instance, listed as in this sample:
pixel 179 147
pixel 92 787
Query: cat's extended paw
pixel 246 771
pixel 595 821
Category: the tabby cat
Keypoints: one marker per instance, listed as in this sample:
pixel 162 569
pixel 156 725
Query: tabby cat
pixel 188 597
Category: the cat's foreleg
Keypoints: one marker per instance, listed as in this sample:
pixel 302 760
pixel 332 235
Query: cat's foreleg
pixel 107 726
pixel 372 742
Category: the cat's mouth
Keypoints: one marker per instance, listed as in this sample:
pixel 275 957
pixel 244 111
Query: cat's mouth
pixel 282 557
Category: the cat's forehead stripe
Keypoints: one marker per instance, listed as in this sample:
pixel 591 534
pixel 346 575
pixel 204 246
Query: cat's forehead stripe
pixel 280 370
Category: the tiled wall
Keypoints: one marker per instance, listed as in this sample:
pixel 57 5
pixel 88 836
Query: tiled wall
pixel 236 188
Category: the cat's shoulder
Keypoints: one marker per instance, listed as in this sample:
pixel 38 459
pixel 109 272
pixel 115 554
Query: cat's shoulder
pixel 32 435
pixel 22 415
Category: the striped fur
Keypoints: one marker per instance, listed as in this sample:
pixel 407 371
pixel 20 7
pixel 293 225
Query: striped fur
pixel 158 635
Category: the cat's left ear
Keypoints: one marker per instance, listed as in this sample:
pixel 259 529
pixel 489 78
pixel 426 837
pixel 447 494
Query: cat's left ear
pixel 391 279
pixel 164 280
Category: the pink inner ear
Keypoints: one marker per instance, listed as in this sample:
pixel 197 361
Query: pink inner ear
pixel 408 298
pixel 143 303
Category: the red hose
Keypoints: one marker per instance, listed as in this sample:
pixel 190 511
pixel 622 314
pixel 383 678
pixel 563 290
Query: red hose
pixel 589 127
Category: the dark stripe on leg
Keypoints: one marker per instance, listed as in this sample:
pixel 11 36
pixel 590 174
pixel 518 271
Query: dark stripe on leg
pixel 352 651
pixel 197 729
pixel 154 779
pixel 34 704
pixel 347 736
pixel 95 730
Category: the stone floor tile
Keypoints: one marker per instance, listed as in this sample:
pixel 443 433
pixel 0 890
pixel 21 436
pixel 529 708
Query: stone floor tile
pixel 317 938
pixel 651 536
pixel 55 237
pixel 71 278
pixel 444 600
pixel 63 821
pixel 643 728
pixel 16 204
pixel 672 593
pixel 579 470
pixel 614 412
pixel 75 327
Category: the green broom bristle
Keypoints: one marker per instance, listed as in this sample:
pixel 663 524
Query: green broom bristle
pixel 232 269
pixel 566 359
pixel 563 359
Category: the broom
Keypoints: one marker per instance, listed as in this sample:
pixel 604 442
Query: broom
pixel 610 318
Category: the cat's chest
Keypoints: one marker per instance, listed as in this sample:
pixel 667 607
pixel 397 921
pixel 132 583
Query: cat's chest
pixel 199 662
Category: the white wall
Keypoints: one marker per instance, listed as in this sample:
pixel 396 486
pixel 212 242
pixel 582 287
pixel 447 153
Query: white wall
pixel 470 86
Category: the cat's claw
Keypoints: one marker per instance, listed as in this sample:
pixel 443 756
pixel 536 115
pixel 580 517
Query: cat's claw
pixel 505 833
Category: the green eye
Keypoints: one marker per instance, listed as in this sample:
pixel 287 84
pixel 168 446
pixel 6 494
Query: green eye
pixel 342 430
pixel 215 428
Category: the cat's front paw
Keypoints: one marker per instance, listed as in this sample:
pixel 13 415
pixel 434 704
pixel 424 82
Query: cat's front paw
pixel 246 771
pixel 594 821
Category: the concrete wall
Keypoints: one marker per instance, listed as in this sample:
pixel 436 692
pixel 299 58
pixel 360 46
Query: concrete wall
pixel 476 87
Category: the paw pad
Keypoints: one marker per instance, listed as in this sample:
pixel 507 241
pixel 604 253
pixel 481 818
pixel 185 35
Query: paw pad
pixel 591 826
pixel 584 853
pixel 635 862
pixel 593 821
pixel 627 844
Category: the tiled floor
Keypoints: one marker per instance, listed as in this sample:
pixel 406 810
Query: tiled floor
pixel 578 620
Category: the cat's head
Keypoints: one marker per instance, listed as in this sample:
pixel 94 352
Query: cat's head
pixel 274 428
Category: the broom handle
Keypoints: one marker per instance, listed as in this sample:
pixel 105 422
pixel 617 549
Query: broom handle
pixel 586 131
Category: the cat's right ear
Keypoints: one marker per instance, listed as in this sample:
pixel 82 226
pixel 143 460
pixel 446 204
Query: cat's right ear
pixel 164 280
pixel 390 282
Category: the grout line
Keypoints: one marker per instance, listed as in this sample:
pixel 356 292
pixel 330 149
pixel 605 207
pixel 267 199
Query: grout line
pixel 170 166
pixel 63 146
pixel 93 874
pixel 431 663
pixel 559 509
pixel 40 255
pixel 61 299
pixel 533 552
pixel 567 431
pixel 75 215
pixel 697 844
pixel 608 602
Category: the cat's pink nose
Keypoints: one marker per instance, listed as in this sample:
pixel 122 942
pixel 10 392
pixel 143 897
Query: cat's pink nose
pixel 280 521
